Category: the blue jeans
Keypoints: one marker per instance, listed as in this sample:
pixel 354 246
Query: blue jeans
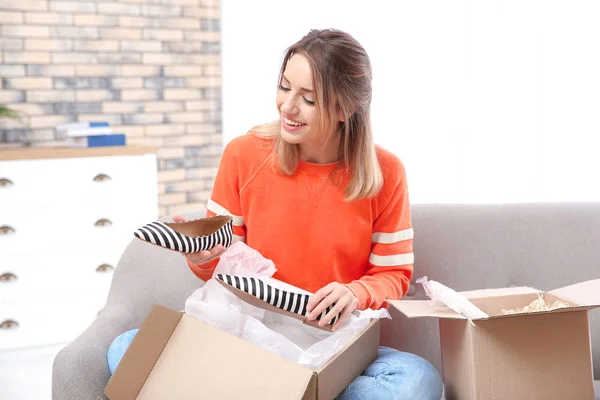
pixel 394 375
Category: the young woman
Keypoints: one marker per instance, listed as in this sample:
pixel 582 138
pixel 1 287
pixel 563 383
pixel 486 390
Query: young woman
pixel 314 194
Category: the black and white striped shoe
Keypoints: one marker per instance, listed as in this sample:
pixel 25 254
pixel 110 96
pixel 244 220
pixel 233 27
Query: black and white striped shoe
pixel 262 295
pixel 190 236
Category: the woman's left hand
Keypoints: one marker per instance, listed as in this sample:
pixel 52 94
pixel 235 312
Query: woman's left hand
pixel 335 293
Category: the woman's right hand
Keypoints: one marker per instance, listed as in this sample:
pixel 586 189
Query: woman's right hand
pixel 205 256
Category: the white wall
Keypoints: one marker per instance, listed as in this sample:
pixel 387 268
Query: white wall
pixel 484 101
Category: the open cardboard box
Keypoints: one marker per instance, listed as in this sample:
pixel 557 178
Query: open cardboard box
pixel 541 355
pixel 176 356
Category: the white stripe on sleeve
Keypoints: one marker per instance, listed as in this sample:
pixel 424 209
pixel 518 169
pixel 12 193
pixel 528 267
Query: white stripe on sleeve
pixel 237 238
pixel 220 210
pixel 389 261
pixel 394 237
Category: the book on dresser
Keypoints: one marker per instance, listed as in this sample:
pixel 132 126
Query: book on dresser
pixel 66 215
pixel 77 129
pixel 90 134
pixel 115 139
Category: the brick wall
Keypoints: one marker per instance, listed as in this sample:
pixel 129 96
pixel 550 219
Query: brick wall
pixel 149 67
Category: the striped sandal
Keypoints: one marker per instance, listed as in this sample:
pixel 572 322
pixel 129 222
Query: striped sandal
pixel 190 236
pixel 262 295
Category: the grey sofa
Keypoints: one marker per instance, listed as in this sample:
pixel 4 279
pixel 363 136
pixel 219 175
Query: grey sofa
pixel 464 246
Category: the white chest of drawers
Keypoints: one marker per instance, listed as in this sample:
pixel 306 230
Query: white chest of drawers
pixel 66 215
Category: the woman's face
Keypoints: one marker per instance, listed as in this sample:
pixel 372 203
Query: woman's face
pixel 296 103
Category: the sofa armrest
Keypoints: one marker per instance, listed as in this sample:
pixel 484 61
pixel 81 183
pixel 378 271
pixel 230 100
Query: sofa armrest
pixel 145 275
pixel 80 370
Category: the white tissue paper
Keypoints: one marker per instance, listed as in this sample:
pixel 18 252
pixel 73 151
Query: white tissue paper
pixel 444 296
pixel 280 334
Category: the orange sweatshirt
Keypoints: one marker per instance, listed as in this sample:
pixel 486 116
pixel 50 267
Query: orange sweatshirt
pixel 302 223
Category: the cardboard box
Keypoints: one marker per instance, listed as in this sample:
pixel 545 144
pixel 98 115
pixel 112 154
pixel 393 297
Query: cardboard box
pixel 542 355
pixel 176 356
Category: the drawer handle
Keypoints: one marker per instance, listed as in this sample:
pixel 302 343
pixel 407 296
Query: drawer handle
pixel 103 223
pixel 9 324
pixel 5 182
pixel 102 178
pixel 105 268
pixel 8 277
pixel 6 230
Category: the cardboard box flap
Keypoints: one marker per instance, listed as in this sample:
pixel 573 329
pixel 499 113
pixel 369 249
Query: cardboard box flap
pixel 139 360
pixel 525 314
pixel 584 293
pixel 516 305
pixel 423 308
pixel 349 362
pixel 477 294
pixel 203 362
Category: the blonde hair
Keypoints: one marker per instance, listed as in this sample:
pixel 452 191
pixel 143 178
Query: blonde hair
pixel 342 83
